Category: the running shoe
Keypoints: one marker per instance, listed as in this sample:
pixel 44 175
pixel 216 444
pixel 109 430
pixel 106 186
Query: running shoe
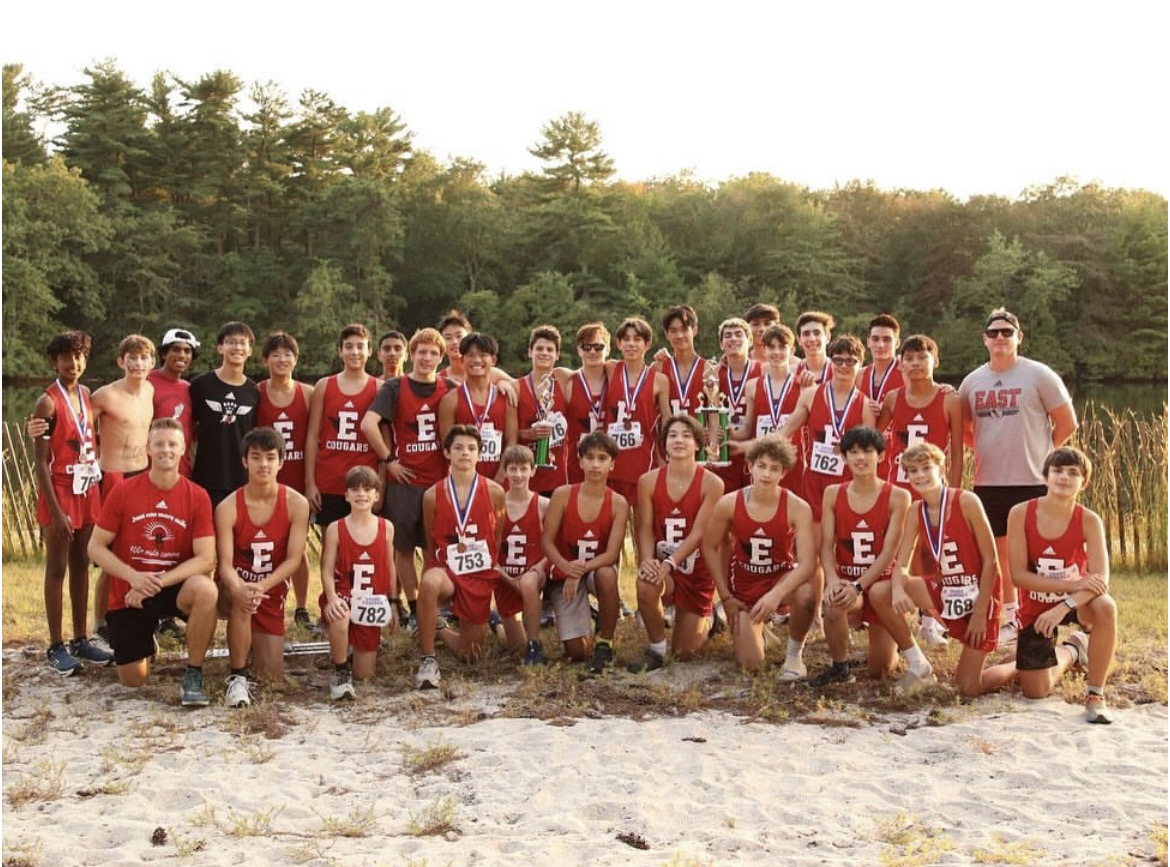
pixel 648 661
pixel 793 670
pixel 1096 711
pixel 341 686
pixel 91 650
pixel 301 618
pixel 534 654
pixel 602 659
pixel 193 694
pixel 238 692
pixel 912 680
pixel 931 633
pixel 1009 633
pixel 62 661
pixel 838 672
pixel 428 676
pixel 1079 643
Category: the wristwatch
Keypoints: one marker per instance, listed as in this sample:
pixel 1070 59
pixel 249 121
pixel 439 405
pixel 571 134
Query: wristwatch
pixel 389 459
pixel 857 586
pixel 1070 602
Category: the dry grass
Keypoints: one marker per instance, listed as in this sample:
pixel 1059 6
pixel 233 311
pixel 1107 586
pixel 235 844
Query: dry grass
pixel 425 760
pixel 434 819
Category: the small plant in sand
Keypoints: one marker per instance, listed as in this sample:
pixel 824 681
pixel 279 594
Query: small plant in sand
pixel 1158 838
pixel 1000 851
pixel 423 760
pixel 679 859
pixel 23 853
pixel 46 782
pixel 910 843
pixel 437 817
pixel 358 822
pixel 982 745
pixel 117 757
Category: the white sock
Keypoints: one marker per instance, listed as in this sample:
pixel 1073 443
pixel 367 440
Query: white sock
pixel 916 660
pixel 795 649
pixel 659 647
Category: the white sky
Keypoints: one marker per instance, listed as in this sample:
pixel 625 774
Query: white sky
pixel 987 97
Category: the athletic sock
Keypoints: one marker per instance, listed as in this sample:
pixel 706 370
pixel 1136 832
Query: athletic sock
pixel 658 647
pixel 1096 690
pixel 795 649
pixel 412 604
pixel 916 660
pixel 604 642
pixel 341 666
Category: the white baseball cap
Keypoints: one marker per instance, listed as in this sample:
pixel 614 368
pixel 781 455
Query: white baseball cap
pixel 178 335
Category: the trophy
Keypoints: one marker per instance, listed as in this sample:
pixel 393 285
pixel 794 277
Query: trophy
pixel 717 415
pixel 545 393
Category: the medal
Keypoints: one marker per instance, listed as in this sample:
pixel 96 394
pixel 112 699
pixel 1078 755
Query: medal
pixel 461 547
pixel 684 388
pixel 838 418
pixel 775 403
pixel 934 535
pixel 876 389
pixel 630 398
pixel 596 402
pixel 479 418
pixel 462 513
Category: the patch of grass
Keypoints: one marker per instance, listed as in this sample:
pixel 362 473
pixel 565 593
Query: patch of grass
pixel 1000 851
pixel 46 782
pixel 424 760
pixel 105 787
pixel 1158 838
pixel 23 853
pixel 437 817
pixel 909 843
pixel 359 822
pixel 116 757
pixel 679 859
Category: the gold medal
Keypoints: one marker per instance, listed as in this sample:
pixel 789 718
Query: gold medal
pixel 627 424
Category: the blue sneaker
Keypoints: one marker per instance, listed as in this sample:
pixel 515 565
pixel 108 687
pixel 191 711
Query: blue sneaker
pixel 92 650
pixel 193 694
pixel 61 660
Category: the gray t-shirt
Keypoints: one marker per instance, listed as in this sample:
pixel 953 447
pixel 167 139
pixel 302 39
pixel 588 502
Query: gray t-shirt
pixel 1010 409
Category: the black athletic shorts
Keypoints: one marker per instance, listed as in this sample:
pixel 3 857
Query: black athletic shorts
pixel 998 500
pixel 1034 651
pixel 132 629
pixel 403 508
pixel 334 507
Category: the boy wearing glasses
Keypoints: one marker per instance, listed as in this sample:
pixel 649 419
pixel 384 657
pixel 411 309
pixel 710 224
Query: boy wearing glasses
pixel 1015 411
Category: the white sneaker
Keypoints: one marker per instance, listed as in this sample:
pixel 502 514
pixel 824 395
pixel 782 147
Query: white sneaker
pixel 912 680
pixel 930 632
pixel 793 670
pixel 1009 633
pixel 428 676
pixel 341 686
pixel 238 693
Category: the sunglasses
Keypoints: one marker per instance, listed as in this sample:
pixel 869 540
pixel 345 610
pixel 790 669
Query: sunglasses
pixel 1000 332
pixel 844 361
pixel 592 347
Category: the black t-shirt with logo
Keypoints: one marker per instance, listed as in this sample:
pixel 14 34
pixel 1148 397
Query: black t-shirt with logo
pixel 223 413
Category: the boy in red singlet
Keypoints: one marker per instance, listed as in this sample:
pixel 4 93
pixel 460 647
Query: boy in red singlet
pixel 156 539
pixel 736 371
pixel 477 401
pixel 1060 564
pixel 814 330
pixel 542 411
pixel 409 449
pixel 761 317
pixel 464 516
pixel 284 407
pixel 683 367
pixel 760 549
pixel 336 441
pixel 67 497
pixel 587 389
pixel 862 523
pixel 357 583
pixel 260 534
pixel 583 533
pixel 523 566
pixel 675 503
pixel 771 398
pixel 963 585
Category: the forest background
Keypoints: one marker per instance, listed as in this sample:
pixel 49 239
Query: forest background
pixel 192 202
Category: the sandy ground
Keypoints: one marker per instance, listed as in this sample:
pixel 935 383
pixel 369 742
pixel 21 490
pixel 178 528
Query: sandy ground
pixel 91 771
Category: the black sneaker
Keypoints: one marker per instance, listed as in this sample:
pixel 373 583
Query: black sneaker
pixel 648 661
pixel 301 618
pixel 193 694
pixel 95 650
pixel 534 654
pixel 62 661
pixel 602 659
pixel 838 672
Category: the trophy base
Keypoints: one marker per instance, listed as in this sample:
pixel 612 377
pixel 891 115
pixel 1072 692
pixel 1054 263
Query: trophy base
pixel 718 464
pixel 546 466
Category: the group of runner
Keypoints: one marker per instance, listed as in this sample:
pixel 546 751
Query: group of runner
pixel 759 487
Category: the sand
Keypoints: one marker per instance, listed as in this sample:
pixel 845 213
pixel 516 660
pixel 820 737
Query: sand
pixel 1004 778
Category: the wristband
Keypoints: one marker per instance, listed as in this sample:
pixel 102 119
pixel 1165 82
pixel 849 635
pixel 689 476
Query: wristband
pixel 1070 602
pixel 389 459
pixel 857 586
pixel 670 561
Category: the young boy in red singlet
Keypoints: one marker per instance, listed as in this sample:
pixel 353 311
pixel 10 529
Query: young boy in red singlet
pixel 357 584
pixel 583 533
pixel 674 504
pixel 335 441
pixel 771 398
pixel 862 522
pixel 477 401
pixel 962 584
pixel 67 497
pixel 1061 566
pixel 760 549
pixel 464 516
pixel 260 534
pixel 523 566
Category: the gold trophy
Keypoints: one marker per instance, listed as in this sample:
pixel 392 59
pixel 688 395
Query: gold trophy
pixel 717 417
pixel 545 393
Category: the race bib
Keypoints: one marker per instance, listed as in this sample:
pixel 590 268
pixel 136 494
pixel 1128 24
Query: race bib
pixel 626 438
pixel 85 476
pixel 493 444
pixel 764 425
pixel 662 550
pixel 958 602
pixel 475 557
pixel 560 427
pixel 827 459
pixel 370 610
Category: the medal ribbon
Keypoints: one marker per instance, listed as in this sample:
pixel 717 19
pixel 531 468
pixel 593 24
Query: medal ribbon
pixel 596 403
pixel 876 389
pixel 684 388
pixel 734 391
pixel 479 419
pixel 632 399
pixel 774 403
pixel 838 418
pixel 934 536
pixel 82 421
pixel 462 513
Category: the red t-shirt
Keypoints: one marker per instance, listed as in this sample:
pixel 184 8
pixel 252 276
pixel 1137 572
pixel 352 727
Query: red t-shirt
pixel 630 401
pixel 479 526
pixel 155 530
pixel 172 399
pixel 860 537
pixel 489 419
pixel 824 463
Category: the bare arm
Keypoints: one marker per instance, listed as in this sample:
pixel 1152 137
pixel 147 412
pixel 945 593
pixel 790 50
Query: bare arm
pixel 312 435
pixel 953 408
pixel 1064 424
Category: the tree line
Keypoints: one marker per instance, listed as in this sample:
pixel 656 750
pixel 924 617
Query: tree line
pixel 195 202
